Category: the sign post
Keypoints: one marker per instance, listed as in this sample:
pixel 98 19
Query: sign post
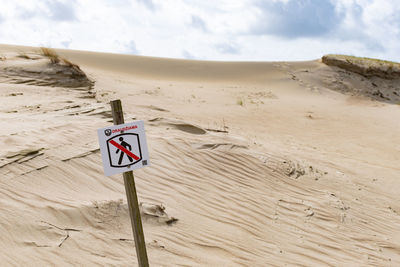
pixel 129 181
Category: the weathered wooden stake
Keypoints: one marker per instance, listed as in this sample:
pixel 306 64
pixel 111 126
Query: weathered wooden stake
pixel 129 181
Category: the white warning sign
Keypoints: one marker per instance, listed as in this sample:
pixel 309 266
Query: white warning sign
pixel 123 147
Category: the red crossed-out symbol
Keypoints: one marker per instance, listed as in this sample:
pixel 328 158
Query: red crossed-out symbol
pixel 123 149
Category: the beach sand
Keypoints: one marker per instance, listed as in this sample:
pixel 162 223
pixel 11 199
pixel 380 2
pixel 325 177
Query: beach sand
pixel 261 163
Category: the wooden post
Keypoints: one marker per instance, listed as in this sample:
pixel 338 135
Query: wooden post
pixel 129 181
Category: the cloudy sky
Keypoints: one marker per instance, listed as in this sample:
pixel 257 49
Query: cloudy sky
pixel 239 30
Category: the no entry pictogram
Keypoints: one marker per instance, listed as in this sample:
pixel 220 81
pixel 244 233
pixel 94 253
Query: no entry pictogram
pixel 124 150
pixel 123 147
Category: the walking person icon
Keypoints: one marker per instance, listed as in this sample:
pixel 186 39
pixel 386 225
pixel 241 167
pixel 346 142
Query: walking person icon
pixel 126 146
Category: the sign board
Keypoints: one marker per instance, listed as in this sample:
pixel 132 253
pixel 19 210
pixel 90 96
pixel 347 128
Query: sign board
pixel 123 147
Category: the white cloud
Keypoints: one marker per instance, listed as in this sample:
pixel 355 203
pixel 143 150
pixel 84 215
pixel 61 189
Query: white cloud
pixel 214 30
pixel 148 3
pixel 198 22
pixel 293 19
pixel 228 48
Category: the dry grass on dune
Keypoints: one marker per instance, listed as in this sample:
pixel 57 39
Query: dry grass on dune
pixel 58 72
pixel 367 67
pixel 70 64
pixel 55 58
pixel 50 54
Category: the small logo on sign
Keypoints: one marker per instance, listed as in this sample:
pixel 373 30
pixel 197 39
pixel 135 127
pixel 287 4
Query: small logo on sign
pixel 107 132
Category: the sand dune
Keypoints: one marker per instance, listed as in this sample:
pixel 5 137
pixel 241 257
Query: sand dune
pixel 262 164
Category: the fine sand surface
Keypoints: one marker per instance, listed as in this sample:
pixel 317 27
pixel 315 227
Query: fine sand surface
pixel 262 164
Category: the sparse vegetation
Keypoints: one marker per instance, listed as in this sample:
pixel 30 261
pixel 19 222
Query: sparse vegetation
pixel 71 65
pixel 225 128
pixel 62 72
pixel 51 54
pixel 367 67
pixel 240 102
pixel 55 58
pixel 366 60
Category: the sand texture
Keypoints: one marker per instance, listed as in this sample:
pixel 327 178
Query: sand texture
pixel 253 164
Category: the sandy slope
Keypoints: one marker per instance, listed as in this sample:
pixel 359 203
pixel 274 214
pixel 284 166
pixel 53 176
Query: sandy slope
pixel 264 164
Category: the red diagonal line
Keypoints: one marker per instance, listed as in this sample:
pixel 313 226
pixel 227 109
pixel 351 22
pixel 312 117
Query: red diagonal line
pixel 124 150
